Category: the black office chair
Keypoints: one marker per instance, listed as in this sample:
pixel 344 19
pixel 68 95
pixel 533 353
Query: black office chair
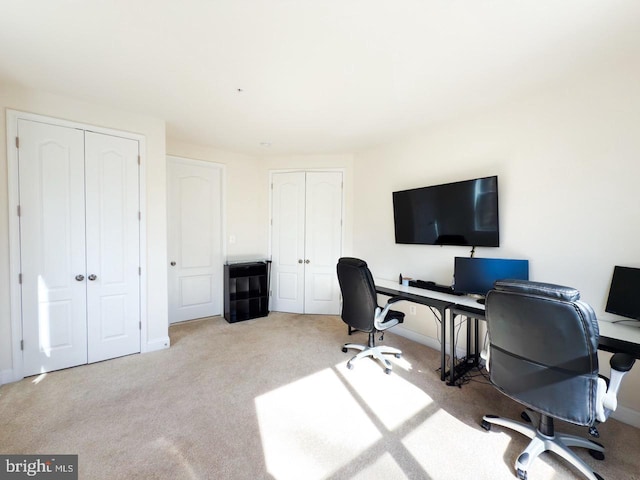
pixel 543 346
pixel 360 310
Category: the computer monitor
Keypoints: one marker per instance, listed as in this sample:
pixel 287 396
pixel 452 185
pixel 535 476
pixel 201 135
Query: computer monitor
pixel 477 275
pixel 624 292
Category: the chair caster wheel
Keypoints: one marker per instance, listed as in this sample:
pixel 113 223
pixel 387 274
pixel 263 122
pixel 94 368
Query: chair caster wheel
pixel 349 366
pixel 344 349
pixel 522 474
pixel 596 454
pixel 525 416
pixel 486 425
pixel 398 355
pixel 387 371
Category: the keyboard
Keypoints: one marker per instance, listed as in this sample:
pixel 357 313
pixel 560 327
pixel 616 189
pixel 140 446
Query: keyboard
pixel 434 287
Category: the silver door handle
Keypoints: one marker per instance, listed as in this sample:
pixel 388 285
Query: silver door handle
pixel 173 264
pixel 299 260
pixel 307 261
pixel 92 277
pixel 79 278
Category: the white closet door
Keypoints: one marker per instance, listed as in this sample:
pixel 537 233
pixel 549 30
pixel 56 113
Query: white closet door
pixel 113 246
pixel 287 242
pixel 52 251
pixel 306 242
pixel 323 242
pixel 195 242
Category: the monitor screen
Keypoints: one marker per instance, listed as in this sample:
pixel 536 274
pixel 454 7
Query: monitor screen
pixel 477 275
pixel 459 213
pixel 624 292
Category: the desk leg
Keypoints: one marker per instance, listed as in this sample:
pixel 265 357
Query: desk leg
pixel 452 349
pixel 476 351
pixel 443 343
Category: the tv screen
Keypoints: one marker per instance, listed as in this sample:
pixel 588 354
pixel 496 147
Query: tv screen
pixel 460 213
pixel 624 292
pixel 477 275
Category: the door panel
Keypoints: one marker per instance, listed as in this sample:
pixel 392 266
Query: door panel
pixel 113 246
pixel 287 242
pixel 323 244
pixel 51 179
pixel 195 245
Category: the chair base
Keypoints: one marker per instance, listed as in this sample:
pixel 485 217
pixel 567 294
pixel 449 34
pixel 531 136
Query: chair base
pixel 374 352
pixel 557 443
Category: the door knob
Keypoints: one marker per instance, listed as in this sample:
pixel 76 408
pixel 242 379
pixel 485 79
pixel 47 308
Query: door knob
pixel 307 261
pixel 173 264
pixel 79 277
pixel 299 260
pixel 92 277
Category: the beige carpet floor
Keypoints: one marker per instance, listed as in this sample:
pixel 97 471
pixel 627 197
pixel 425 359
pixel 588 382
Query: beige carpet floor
pixel 271 398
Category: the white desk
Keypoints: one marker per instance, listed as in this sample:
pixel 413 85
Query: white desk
pixel 614 337
pixel 619 337
pixel 456 304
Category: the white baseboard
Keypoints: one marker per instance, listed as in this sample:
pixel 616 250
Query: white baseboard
pixel 627 415
pixel 157 344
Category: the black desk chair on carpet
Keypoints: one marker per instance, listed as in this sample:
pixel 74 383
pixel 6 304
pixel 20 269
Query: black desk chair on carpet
pixel 543 354
pixel 360 310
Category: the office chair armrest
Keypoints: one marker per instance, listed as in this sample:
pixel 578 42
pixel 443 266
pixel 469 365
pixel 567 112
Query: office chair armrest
pixel 381 313
pixel 394 300
pixel 485 354
pixel 620 363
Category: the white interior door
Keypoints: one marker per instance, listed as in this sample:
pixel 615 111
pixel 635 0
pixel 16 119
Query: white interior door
pixel 52 250
pixel 323 242
pixel 113 246
pixel 306 241
pixel 195 239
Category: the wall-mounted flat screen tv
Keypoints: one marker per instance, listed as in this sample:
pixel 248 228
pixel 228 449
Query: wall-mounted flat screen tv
pixel 459 213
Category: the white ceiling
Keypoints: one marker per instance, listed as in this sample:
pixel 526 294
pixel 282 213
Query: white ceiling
pixel 317 76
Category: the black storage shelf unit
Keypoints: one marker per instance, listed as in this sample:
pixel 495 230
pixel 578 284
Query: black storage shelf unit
pixel 246 290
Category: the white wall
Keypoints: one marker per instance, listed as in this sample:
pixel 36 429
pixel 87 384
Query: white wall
pixel 22 99
pixel 569 196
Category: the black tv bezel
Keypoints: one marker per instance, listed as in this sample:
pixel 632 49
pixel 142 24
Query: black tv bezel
pixel 452 242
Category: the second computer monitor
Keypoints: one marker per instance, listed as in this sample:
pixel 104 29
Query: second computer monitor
pixel 477 275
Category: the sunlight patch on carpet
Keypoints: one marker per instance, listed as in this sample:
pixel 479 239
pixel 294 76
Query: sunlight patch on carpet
pixel 391 398
pixel 312 427
pixel 39 378
pixel 494 452
pixel 384 467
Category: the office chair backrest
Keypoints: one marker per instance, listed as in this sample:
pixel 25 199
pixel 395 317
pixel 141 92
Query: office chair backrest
pixel 359 298
pixel 543 348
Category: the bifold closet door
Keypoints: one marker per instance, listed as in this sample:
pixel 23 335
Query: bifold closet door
pixel 79 246
pixel 306 241
pixel 113 246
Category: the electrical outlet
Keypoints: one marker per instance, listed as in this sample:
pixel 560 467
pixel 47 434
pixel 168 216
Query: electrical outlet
pixel 412 309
